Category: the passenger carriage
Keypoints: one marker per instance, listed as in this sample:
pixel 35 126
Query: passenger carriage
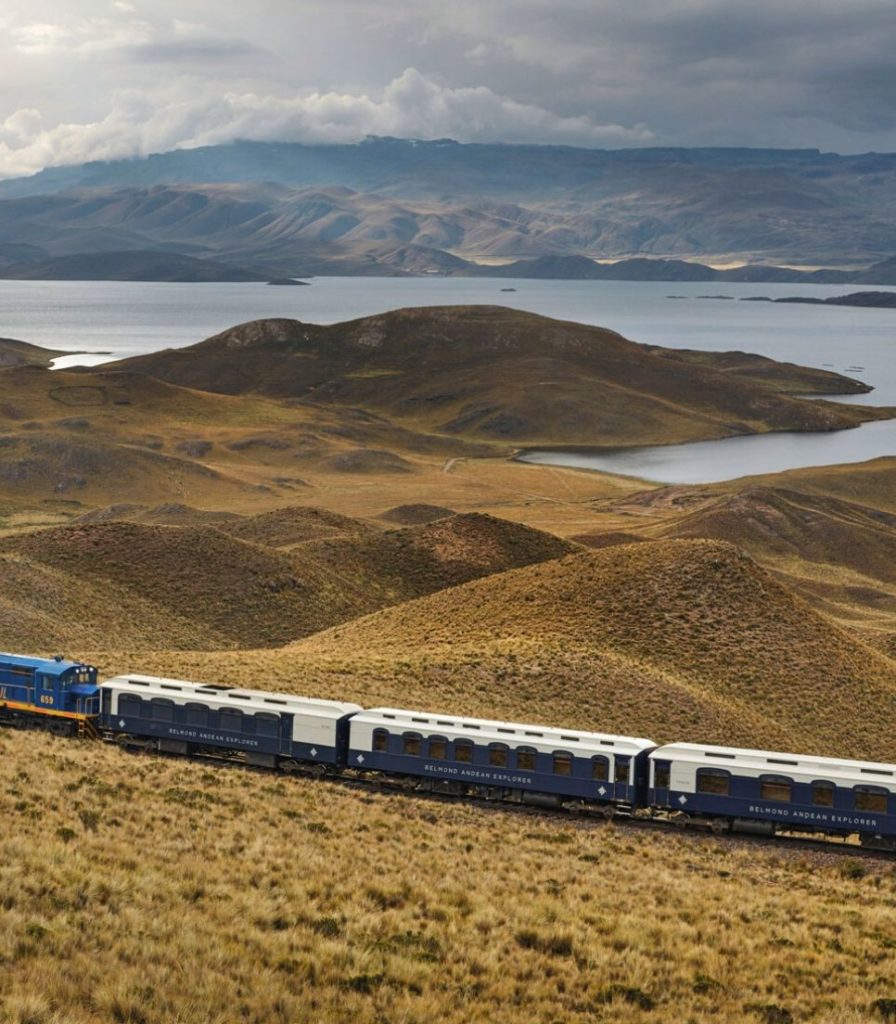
pixel 262 728
pixel 767 791
pixel 49 693
pixel 500 760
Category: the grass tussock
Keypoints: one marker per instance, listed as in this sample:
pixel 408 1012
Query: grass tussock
pixel 164 891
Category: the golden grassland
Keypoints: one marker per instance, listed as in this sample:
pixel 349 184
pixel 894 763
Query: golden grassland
pixel 146 890
pixel 146 526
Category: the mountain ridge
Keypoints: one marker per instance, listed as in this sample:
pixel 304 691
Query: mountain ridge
pixel 290 207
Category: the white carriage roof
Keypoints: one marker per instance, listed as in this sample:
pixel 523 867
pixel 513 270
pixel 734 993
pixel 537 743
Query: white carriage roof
pixel 226 696
pixel 774 762
pixel 501 732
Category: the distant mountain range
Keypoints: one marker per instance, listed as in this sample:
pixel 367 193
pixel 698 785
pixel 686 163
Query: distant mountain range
pixel 389 206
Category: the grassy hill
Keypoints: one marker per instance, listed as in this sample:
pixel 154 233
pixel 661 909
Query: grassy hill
pixel 408 563
pixel 496 374
pixel 22 353
pixel 666 639
pixel 239 582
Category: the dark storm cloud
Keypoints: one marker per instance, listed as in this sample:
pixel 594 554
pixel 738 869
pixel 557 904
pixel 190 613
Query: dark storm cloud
pixel 80 78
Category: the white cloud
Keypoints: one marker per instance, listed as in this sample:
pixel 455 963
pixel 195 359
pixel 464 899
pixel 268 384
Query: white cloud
pixel 40 37
pixel 192 114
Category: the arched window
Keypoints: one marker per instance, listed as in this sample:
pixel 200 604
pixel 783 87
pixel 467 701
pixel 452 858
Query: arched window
pixel 870 798
pixel 776 787
pixel 526 759
pixel 562 763
pixel 600 768
pixel 129 704
pixel 230 720
pixel 196 714
pixel 162 709
pixel 267 724
pixel 438 748
pixel 381 740
pixel 823 794
pixel 498 754
pixel 463 751
pixel 715 781
pixel 413 743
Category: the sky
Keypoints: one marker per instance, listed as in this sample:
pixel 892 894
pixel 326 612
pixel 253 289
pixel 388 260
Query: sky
pixel 103 79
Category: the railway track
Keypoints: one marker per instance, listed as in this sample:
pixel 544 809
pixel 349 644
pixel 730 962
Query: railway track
pixel 789 843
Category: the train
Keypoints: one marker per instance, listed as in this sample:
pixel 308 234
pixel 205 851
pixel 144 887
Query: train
pixel 725 789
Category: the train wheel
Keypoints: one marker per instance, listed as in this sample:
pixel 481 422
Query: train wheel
pixel 720 826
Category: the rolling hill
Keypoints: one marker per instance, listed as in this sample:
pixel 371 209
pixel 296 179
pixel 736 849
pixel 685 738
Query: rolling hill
pixel 664 639
pixel 494 374
pixel 236 581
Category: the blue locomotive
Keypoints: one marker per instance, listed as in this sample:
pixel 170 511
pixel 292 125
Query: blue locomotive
pixel 52 693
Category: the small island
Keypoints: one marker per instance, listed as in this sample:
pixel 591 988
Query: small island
pixel 287 281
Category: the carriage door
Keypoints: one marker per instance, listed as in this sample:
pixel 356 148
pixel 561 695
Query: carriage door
pixel 660 782
pixel 621 777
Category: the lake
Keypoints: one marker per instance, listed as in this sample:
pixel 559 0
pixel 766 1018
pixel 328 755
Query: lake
pixel 129 318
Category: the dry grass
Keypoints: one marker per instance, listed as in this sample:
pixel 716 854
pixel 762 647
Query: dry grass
pixel 235 581
pixel 146 890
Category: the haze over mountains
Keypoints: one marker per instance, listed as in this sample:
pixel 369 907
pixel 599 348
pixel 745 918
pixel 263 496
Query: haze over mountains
pixel 393 206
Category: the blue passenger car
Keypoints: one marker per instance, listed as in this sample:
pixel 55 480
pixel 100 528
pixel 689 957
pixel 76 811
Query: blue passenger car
pixel 51 693
pixel 501 760
pixel 769 791
pixel 264 728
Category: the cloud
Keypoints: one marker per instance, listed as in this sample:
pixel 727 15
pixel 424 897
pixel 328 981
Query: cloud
pixel 411 106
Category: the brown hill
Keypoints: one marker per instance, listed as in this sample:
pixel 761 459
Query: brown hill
pixel 398 565
pixel 499 374
pixel 245 581
pixel 247 595
pixel 50 608
pixel 21 353
pixel 89 471
pixel 667 639
pixel 413 515
pixel 285 527
pixel 790 524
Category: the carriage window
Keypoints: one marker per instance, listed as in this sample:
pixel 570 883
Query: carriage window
pixel 438 748
pixel 562 763
pixel 622 769
pixel 231 720
pixel 775 787
pixel 600 769
pixel 713 780
pixel 412 743
pixel 128 704
pixel 870 798
pixel 526 759
pixel 267 725
pixel 463 751
pixel 196 714
pixel 823 794
pixel 661 774
pixel 162 709
pixel 497 755
pixel 381 740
